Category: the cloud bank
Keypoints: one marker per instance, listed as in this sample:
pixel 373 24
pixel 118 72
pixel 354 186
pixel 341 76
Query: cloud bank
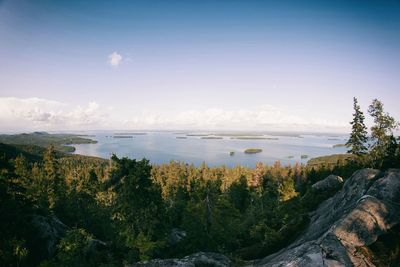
pixel 259 118
pixel 36 113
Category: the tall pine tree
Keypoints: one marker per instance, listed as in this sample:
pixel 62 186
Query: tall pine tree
pixel 358 137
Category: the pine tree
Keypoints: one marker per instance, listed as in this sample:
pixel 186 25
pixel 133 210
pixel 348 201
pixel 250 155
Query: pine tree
pixel 358 137
pixel 390 160
pixel 381 133
pixel 53 180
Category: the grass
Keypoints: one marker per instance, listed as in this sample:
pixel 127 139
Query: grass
pixel 253 150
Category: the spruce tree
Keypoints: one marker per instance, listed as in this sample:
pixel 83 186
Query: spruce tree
pixel 358 137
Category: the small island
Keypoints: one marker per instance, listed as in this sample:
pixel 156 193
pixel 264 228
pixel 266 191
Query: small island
pixel 232 153
pixel 254 138
pixel 122 136
pixel 134 133
pixel 181 137
pixel 253 150
pixel 211 137
pixel 304 156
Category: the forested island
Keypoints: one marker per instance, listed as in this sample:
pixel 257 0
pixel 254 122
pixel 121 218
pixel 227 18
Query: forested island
pixel 59 209
pixel 61 142
pixel 253 150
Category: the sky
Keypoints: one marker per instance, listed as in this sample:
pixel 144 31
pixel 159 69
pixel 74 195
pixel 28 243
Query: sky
pixel 191 64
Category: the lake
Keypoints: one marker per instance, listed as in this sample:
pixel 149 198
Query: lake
pixel 162 147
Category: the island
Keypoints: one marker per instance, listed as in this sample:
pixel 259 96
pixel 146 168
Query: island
pixel 253 150
pixel 254 138
pixel 135 133
pixel 211 137
pixel 232 153
pixel 122 136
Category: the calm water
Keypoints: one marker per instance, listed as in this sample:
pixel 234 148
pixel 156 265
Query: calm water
pixel 162 147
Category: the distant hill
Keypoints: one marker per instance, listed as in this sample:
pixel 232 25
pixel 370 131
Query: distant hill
pixel 30 152
pixel 61 142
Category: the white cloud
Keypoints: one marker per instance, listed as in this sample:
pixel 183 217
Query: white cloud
pixel 259 118
pixel 43 114
pixel 114 59
pixel 36 113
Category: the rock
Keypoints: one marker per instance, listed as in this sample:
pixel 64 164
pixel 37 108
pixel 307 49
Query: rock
pixel 195 260
pixel 96 245
pixel 176 236
pixel 367 206
pixel 332 182
pixel 49 230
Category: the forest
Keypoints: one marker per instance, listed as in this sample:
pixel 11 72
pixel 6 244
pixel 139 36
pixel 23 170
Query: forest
pixel 59 209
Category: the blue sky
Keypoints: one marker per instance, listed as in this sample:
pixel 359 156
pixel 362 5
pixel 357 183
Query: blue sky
pixel 262 65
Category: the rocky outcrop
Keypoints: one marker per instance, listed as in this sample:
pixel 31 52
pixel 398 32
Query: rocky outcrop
pixel 367 207
pixel 339 231
pixel 332 182
pixel 176 236
pixel 195 260
pixel 48 230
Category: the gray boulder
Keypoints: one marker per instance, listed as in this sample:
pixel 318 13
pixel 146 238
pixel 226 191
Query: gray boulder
pixel 176 236
pixel 332 182
pixel 367 207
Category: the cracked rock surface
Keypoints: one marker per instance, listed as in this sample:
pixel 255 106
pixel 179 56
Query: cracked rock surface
pixel 367 206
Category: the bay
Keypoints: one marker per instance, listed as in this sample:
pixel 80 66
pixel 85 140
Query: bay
pixel 212 149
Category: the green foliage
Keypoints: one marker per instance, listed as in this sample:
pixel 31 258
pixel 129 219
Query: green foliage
pixel 239 194
pixel 138 207
pixel 14 208
pixel 383 144
pixel 358 137
pixel 77 248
